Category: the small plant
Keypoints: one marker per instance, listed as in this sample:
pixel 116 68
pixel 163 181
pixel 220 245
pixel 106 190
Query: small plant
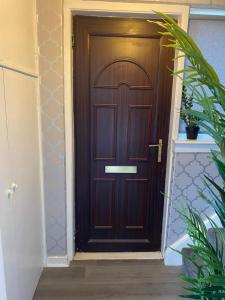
pixel 190 120
pixel 186 105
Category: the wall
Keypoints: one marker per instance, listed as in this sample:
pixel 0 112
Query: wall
pixel 17 32
pixel 212 45
pixel 21 231
pixel 209 36
pixel 52 112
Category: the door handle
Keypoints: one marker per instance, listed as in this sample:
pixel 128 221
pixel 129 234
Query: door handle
pixel 159 145
pixel 14 186
pixel 9 193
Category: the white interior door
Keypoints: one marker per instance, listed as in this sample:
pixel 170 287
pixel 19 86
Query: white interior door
pixel 7 226
pixel 22 124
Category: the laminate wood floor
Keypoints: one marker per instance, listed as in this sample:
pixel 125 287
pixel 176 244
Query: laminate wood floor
pixel 115 279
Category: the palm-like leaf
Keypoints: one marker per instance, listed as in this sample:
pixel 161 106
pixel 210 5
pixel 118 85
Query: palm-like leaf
pixel 199 77
pixel 207 261
pixel 205 87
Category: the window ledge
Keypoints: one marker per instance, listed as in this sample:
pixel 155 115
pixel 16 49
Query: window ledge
pixel 203 144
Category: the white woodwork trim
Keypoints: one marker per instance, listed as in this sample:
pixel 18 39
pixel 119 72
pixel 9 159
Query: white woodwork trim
pixel 16 68
pixel 183 20
pixel 73 7
pixel 41 157
pixel 203 144
pixel 69 130
pixel 194 147
pixel 57 261
pixel 41 170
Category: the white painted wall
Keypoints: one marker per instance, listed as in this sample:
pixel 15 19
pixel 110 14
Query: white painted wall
pixel 21 236
pixel 209 35
pixel 17 31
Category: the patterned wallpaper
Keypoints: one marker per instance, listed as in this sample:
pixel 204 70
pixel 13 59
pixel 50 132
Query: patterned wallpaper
pixel 188 167
pixel 51 92
pixel 187 182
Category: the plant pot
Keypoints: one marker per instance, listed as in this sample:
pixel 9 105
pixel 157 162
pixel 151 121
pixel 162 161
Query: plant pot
pixel 192 132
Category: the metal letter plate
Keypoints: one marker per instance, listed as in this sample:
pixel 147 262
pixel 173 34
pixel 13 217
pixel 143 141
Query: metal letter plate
pixel 121 169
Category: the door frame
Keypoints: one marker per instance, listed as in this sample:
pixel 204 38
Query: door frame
pixel 115 9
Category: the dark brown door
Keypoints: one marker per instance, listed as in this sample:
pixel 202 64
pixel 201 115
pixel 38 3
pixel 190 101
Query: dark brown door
pixel 122 89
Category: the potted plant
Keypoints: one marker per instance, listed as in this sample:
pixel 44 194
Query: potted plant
pixel 191 121
pixel 207 258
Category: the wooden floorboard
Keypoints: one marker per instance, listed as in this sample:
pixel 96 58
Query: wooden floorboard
pixel 116 279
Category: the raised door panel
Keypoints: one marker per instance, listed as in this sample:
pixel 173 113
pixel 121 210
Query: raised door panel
pixel 104 126
pixel 136 203
pixel 103 203
pixel 139 132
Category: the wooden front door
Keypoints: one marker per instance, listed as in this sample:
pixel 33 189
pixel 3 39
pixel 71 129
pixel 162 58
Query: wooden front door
pixel 122 92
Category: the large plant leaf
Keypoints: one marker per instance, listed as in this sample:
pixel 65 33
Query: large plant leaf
pixel 209 95
pixel 220 165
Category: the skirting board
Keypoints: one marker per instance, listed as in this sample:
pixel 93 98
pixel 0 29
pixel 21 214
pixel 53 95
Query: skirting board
pixel 57 261
pixel 171 257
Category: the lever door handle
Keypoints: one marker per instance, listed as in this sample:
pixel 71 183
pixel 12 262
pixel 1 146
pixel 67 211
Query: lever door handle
pixel 159 145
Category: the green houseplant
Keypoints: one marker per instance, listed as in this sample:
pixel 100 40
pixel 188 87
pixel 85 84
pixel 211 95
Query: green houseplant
pixel 208 93
pixel 192 128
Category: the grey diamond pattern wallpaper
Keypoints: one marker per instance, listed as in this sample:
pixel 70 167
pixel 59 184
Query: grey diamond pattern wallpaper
pixel 52 113
pixel 187 182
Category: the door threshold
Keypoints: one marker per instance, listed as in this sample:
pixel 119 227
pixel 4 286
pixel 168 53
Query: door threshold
pixel 117 255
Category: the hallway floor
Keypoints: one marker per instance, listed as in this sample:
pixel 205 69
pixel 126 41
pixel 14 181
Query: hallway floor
pixel 111 279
